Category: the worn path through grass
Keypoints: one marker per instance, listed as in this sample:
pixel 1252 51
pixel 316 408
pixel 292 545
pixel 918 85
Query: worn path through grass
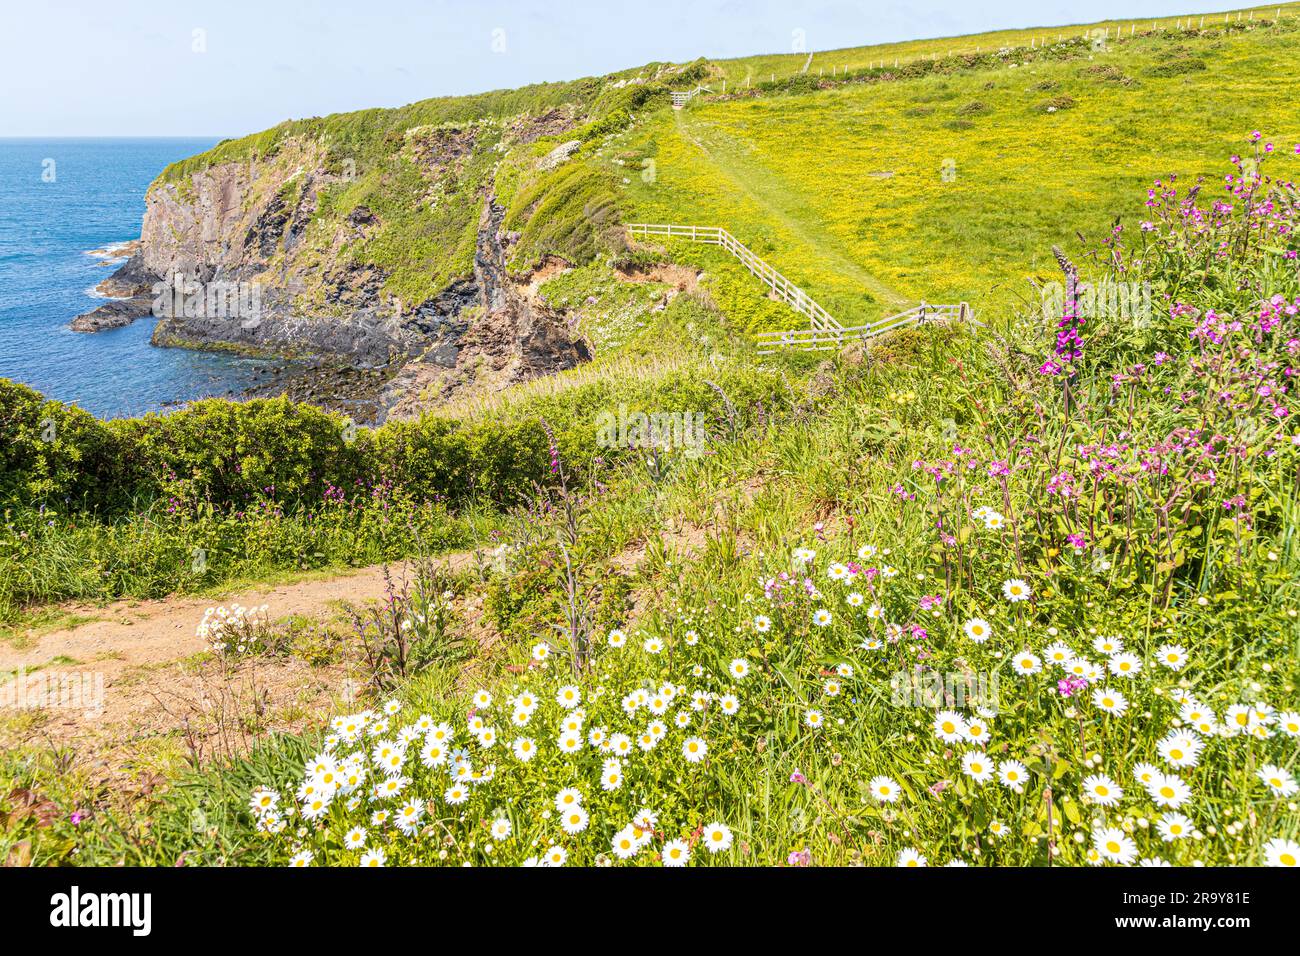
pixel 143 632
pixel 138 693
pixel 774 196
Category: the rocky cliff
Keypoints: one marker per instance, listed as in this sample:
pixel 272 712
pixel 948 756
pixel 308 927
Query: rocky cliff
pixel 291 253
pixel 407 243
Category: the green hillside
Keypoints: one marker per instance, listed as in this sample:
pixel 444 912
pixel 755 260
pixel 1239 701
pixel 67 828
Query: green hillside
pixel 946 178
pixel 844 190
pixel 754 70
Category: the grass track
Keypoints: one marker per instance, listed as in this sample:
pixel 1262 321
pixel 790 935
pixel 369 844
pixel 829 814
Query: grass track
pixel 739 165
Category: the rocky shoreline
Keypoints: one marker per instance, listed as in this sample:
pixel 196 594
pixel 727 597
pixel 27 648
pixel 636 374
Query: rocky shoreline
pixel 368 367
pixel 130 289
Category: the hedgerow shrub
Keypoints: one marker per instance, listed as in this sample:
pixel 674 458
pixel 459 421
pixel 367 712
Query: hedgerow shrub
pixel 51 451
pixel 229 452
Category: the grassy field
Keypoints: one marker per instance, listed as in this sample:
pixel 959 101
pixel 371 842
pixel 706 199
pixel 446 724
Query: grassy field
pixel 846 190
pixel 753 70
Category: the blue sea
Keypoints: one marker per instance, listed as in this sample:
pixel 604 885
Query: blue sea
pixel 48 225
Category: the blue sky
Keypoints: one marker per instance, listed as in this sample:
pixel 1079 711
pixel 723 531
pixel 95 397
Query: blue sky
pixel 135 68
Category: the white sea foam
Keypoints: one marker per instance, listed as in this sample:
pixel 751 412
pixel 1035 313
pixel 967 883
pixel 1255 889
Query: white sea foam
pixel 113 252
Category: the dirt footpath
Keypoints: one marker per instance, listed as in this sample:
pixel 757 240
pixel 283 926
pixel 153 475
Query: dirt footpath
pixel 131 693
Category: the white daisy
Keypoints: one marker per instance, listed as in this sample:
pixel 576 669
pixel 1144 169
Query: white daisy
pixel 694 749
pixel 1125 665
pixel 1027 663
pixel 573 820
pixel 568 696
pixel 1013 775
pixel 884 789
pixel 625 843
pixel 1058 654
pixel 1280 852
pixel 1144 773
pixel 976 731
pixel 1288 721
pixel 611 775
pixel 949 726
pixel 525 749
pixel 555 856
pixel 1115 845
pixel 717 837
pixel 1180 749
pixel 1107 645
pixel 1172 656
pixel 976 765
pixel 1102 790
pixel 1111 701
pixel 676 853
pixel 568 798
pixel 1174 826
pixel 1168 790
pixel 1015 590
pixel 1277 779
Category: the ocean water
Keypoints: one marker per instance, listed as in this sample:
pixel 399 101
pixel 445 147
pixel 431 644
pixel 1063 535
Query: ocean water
pixel 48 225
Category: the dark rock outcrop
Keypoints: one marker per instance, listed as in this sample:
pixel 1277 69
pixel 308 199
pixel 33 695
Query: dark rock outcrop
pixel 131 288
pixel 113 315
pixel 512 336
pixel 131 280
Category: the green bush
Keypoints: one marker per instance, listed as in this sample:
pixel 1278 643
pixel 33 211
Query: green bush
pixel 231 452
pixel 1056 103
pixel 50 451
pixel 573 212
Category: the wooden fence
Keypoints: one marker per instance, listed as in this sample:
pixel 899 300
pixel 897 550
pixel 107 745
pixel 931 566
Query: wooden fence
pixel 816 340
pixel 681 99
pixel 824 331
